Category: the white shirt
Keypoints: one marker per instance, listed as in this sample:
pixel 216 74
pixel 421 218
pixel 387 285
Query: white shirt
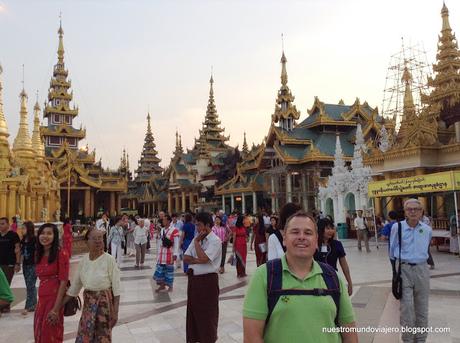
pixel 97 275
pixel 359 223
pixel 140 235
pixel 102 225
pixel 212 247
pixel 275 249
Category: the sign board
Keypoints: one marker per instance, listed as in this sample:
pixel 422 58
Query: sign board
pixel 430 183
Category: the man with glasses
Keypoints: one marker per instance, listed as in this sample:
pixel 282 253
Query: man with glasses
pixel 415 242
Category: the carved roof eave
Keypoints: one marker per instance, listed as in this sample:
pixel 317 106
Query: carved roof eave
pixel 62 132
pixel 317 104
pixel 52 110
pixel 309 157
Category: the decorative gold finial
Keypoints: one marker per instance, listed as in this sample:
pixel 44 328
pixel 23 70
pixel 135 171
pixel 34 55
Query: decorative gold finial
pixel 284 76
pixel 149 128
pixel 3 127
pixel 22 142
pixel 37 143
pixel 211 82
pixel 445 17
pixel 61 41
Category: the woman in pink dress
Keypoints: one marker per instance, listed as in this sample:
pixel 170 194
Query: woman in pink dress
pixel 52 269
pixel 67 237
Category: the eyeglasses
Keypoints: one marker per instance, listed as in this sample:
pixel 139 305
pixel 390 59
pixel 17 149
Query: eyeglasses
pixel 413 209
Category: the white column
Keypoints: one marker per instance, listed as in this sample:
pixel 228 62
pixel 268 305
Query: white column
pixel 232 202
pixel 254 202
pixel 340 209
pixel 335 205
pixel 288 188
pixel 273 195
pixel 223 202
pixel 358 202
pixel 323 205
pixel 243 204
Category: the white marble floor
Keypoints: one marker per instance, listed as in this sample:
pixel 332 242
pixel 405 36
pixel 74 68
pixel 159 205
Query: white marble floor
pixel 149 317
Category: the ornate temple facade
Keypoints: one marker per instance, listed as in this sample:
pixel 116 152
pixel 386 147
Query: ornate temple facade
pixel 28 188
pixel 189 181
pixel 297 157
pixel 428 140
pixel 86 188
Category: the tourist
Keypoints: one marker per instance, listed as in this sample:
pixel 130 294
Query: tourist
pixel 116 239
pixel 412 252
pixel 67 237
pixel 99 276
pixel 454 232
pixel 270 314
pixel 6 296
pixel 259 241
pixel 132 223
pixel 10 253
pixel 187 235
pixel 28 247
pixel 221 231
pixel 240 248
pixel 204 258
pixel 140 242
pixel 275 247
pixel 361 230
pixel 103 225
pixel 331 250
pixel 178 224
pixel 167 256
pixel 52 269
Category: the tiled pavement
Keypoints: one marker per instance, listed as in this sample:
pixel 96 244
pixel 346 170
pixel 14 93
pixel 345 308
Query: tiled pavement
pixel 149 317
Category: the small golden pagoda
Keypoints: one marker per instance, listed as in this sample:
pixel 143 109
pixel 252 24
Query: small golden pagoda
pixel 27 187
pixel 428 140
pixel 86 187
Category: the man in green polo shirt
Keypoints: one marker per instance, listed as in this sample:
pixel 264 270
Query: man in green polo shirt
pixel 297 318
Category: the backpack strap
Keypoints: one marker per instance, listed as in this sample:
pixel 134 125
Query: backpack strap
pixel 274 284
pixel 280 239
pixel 333 286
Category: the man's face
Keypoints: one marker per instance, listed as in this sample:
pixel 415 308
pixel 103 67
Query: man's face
pixel 360 213
pixel 413 211
pixel 4 226
pixel 174 220
pixel 301 238
pixel 161 215
pixel 166 222
pixel 201 227
pixel 124 220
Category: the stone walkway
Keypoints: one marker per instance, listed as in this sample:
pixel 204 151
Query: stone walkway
pixel 149 317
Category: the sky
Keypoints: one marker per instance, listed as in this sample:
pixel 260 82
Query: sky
pixel 126 58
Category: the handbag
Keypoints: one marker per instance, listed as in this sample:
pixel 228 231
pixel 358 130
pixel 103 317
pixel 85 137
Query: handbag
pixel 232 260
pixel 396 282
pixel 72 306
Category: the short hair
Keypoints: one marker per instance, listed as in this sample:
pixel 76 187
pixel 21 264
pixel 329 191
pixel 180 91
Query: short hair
pixel 393 215
pixel 205 218
pixel 287 211
pixel 301 214
pixel 174 215
pixel 412 201
pixel 167 216
pixel 5 219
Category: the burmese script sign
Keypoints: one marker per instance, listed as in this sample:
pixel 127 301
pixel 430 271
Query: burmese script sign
pixel 430 183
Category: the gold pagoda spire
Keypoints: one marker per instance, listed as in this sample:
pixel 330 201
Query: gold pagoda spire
pixel 22 143
pixel 37 143
pixel 445 18
pixel 3 126
pixel 284 76
pixel 61 43
pixel 5 165
pixel 409 115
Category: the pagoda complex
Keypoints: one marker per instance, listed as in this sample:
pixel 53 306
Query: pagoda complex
pixel 428 140
pixel 86 188
pixel 143 195
pixel 28 188
pixel 297 157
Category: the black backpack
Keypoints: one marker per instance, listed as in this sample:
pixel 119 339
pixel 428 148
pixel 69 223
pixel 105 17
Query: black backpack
pixel 275 290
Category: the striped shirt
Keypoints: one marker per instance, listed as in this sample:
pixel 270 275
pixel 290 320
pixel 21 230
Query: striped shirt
pixel 165 255
pixel 220 231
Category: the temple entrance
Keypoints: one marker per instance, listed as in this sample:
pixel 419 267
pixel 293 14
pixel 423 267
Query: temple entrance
pixel 350 203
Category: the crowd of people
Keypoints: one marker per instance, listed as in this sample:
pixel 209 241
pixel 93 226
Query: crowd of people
pixel 297 255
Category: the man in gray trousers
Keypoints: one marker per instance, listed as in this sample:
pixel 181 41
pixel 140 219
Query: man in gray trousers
pixel 416 237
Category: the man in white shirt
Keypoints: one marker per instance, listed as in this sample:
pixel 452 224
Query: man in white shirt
pixel 203 257
pixel 361 230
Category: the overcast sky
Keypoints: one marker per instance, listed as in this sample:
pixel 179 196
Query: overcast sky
pixel 125 57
